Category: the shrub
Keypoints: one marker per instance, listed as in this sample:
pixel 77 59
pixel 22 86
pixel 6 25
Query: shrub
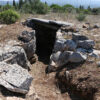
pixel 81 17
pixel 86 11
pixel 34 6
pixel 6 7
pixel 56 8
pixel 68 8
pixel 96 11
pixel 26 8
pixel 8 16
pixel 41 8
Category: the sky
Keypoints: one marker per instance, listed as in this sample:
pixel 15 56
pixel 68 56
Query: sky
pixel 76 3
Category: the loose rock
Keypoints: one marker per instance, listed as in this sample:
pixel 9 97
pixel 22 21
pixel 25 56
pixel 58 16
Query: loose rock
pixel 28 43
pixel 14 55
pixel 15 78
pixel 77 57
pixel 77 37
pixel 59 59
pixel 59 45
pixel 86 44
pixel 70 45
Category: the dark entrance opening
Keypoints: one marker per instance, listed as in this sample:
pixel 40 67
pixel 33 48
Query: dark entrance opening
pixel 45 36
pixel 45 39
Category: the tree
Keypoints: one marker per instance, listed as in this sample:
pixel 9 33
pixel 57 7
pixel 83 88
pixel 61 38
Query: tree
pixel 14 3
pixel 81 7
pixel 7 2
pixel 89 8
pixel 20 3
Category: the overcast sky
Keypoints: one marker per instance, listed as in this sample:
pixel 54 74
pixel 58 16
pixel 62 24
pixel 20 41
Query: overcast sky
pixel 92 3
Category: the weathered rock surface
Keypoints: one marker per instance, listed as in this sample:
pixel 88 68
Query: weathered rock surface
pixel 59 35
pixel 77 57
pixel 26 36
pixel 14 55
pixel 78 36
pixel 95 53
pixel 70 45
pixel 15 78
pixel 59 59
pixel 86 44
pixel 84 51
pixel 28 43
pixel 59 45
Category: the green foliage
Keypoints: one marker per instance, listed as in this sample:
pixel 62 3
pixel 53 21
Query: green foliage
pixel 56 8
pixel 69 8
pixel 6 7
pixel 20 3
pixel 81 17
pixel 34 6
pixel 8 16
pixel 96 11
pixel 14 3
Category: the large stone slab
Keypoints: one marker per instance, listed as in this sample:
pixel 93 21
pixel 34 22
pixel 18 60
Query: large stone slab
pixel 14 55
pixel 15 78
pixel 28 43
pixel 46 23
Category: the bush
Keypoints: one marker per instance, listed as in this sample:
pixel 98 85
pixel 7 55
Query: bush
pixel 68 8
pixel 34 6
pixel 41 8
pixel 81 17
pixel 56 8
pixel 96 11
pixel 8 16
pixel 6 7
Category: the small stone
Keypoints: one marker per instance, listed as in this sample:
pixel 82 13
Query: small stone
pixel 78 36
pixel 98 64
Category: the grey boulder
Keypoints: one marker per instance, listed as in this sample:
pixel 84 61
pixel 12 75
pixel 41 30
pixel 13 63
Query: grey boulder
pixel 86 44
pixel 95 53
pixel 77 57
pixel 28 42
pixel 30 48
pixel 26 36
pixel 78 36
pixel 59 45
pixel 14 55
pixel 15 78
pixel 60 58
pixel 70 45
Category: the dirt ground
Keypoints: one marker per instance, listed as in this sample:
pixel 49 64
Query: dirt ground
pixel 43 84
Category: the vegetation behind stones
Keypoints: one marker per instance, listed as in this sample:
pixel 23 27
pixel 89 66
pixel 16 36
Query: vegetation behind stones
pixel 38 7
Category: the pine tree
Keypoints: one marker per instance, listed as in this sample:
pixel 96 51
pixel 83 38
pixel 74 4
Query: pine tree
pixel 89 8
pixel 14 3
pixel 20 3
pixel 7 2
